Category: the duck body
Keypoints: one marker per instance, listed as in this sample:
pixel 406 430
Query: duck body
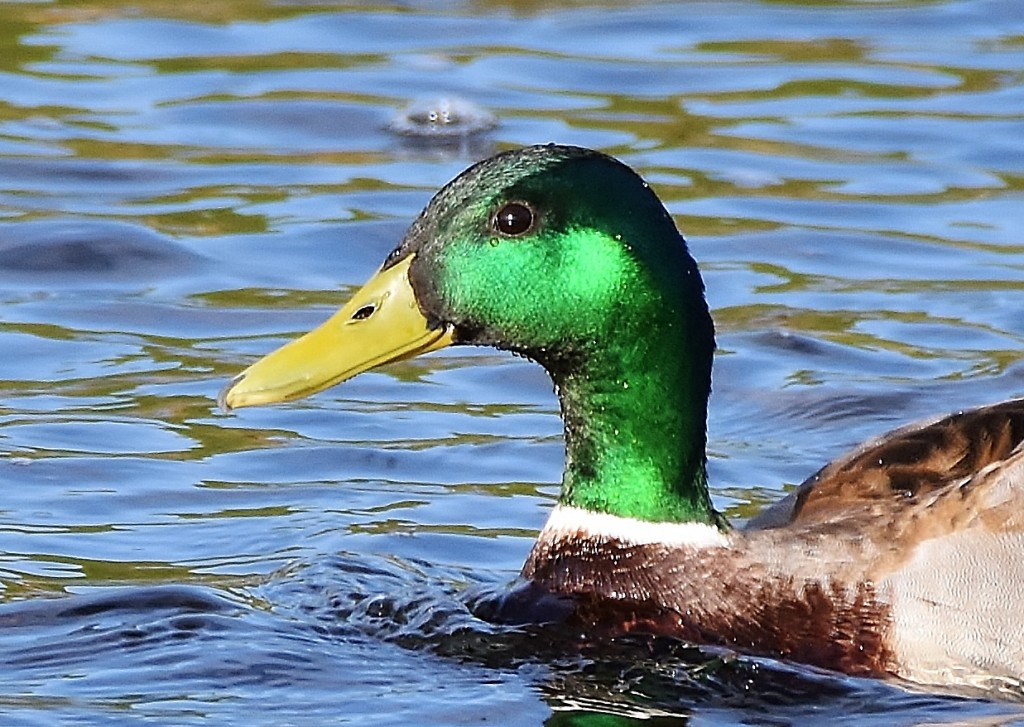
pixel 918 578
pixel 904 558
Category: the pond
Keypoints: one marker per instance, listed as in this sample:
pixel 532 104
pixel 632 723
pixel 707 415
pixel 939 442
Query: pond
pixel 185 186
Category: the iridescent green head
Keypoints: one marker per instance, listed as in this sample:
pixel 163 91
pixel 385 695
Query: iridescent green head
pixel 566 256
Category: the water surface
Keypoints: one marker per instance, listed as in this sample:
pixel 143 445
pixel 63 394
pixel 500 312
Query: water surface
pixel 185 186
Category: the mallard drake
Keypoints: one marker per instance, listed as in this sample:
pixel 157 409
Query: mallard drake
pixel 904 558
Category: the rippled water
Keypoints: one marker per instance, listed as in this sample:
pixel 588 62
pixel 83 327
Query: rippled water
pixel 183 186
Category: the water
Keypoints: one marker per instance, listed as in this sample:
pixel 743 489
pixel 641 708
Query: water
pixel 185 186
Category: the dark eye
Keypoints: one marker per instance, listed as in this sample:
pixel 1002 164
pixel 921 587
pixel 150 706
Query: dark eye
pixel 514 219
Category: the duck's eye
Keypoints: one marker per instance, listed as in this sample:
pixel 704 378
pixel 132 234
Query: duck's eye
pixel 514 219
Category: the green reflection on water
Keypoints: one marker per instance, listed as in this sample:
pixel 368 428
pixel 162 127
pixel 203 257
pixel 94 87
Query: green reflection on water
pixel 52 573
pixel 257 298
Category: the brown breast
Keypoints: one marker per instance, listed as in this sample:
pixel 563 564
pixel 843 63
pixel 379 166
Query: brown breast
pixel 717 596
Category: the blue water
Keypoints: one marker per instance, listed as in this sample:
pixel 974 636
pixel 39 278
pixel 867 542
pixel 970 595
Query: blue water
pixel 185 186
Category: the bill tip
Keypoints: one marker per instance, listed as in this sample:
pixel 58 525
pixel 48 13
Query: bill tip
pixel 225 394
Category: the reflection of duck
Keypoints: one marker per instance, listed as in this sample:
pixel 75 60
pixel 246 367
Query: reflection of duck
pixel 905 557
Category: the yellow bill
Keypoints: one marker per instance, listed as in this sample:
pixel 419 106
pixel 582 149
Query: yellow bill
pixel 380 324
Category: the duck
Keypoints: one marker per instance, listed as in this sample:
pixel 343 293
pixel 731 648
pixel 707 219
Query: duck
pixel 903 559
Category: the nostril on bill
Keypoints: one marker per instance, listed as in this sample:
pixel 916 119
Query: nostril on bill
pixel 363 313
